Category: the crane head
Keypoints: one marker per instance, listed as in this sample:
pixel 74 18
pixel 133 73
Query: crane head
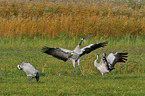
pixel 83 39
pixel 97 56
pixel 19 67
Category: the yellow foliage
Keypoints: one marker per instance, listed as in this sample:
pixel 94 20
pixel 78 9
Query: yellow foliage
pixel 49 19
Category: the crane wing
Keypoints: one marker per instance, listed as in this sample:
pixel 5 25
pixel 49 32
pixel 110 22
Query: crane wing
pixel 92 47
pixel 60 53
pixel 117 57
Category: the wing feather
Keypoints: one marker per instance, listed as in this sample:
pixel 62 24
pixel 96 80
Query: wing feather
pixel 60 53
pixel 117 57
pixel 92 47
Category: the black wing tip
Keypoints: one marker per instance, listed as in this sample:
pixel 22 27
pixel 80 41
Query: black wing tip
pixel 124 53
pixel 45 49
pixel 121 53
pixel 124 56
pixel 104 43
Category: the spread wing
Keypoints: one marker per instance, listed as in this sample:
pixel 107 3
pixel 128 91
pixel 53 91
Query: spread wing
pixel 60 53
pixel 92 47
pixel 117 57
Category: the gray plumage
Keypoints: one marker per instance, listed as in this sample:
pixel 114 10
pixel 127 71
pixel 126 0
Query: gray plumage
pixel 29 70
pixel 107 64
pixel 73 55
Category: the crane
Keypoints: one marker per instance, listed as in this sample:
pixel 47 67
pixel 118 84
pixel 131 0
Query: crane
pixel 106 65
pixel 29 70
pixel 73 55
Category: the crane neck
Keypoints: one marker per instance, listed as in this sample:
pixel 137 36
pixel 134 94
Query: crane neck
pixel 95 62
pixel 80 43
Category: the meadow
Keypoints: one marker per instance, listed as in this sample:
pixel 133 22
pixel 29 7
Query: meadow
pixel 27 26
pixel 126 79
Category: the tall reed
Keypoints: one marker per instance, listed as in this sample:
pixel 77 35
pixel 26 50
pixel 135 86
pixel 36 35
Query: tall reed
pixel 80 18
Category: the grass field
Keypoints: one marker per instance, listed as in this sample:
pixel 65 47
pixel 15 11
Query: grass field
pixel 126 79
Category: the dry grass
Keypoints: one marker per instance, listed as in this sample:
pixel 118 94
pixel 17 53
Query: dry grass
pixel 107 19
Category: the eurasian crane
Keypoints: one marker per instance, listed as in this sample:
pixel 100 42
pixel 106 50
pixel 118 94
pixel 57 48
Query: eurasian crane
pixel 73 55
pixel 29 70
pixel 107 64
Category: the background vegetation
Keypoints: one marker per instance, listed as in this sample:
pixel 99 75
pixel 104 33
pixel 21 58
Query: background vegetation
pixel 105 18
pixel 26 26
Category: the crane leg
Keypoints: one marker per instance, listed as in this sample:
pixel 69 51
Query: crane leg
pixel 102 75
pixel 59 69
pixel 79 67
pixel 74 72
pixel 73 61
pixel 29 79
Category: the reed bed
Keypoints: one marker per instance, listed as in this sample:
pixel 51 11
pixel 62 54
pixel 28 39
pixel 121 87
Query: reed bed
pixel 71 18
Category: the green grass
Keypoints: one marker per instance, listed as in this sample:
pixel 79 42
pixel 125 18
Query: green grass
pixel 126 79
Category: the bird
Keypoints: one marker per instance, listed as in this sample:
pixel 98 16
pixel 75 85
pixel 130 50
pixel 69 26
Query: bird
pixel 29 70
pixel 106 65
pixel 73 55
